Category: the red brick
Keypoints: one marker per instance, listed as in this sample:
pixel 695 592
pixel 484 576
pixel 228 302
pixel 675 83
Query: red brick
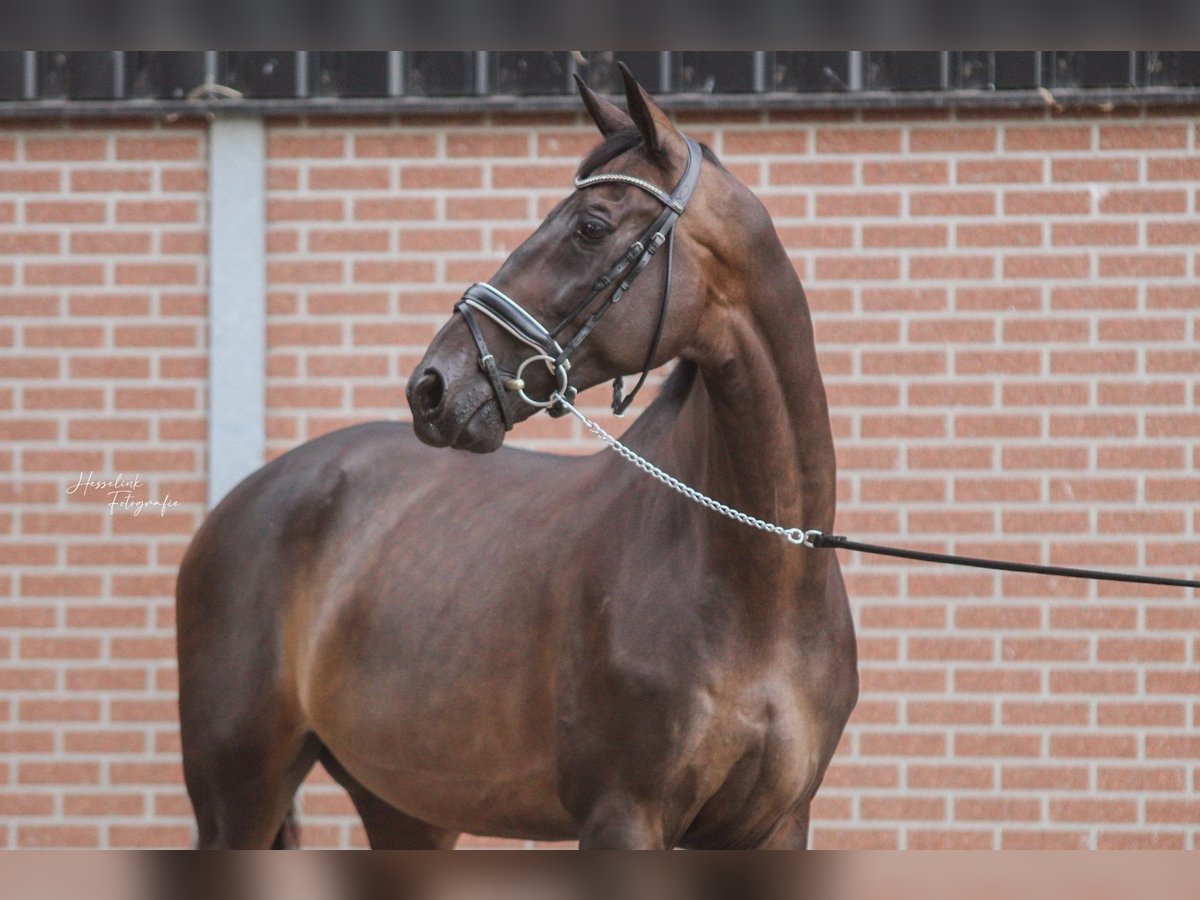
pixel 290 146
pixel 63 274
pixel 399 143
pixel 490 143
pixel 781 206
pixel 306 210
pixel 952 140
pixel 1141 778
pixel 573 144
pixel 998 617
pixel 117 242
pixel 858 204
pixel 21 181
pixel 1183 747
pixel 553 177
pixel 948 776
pixel 992 743
pixel 934 839
pixel 437 240
pixel 143 773
pixel 441 176
pixel 1087 362
pixel 394 271
pixel 1052 203
pixel 1095 169
pixel 912 362
pixel 847 775
pixel 352 178
pixel 1036 839
pixel 1139 840
pixel 952 203
pixel 1042 649
pixel 1185 233
pixel 95 805
pixel 999 171
pixel 904 236
pixel 57 711
pixel 1173 168
pixel 1142 136
pixel 908 809
pixel 1143 265
pixel 991 298
pixel 857 140
pixel 874 743
pixel 110 180
pixel 1093 810
pixel 151 836
pixel 1093 298
pixel 485 208
pixel 998 809
pixel 1047 138
pixel 801 237
pixel 1171 715
pixel 305 272
pixel 1093 234
pixel 183 179
pixel 1092 682
pixel 949 713
pixel 1046 266
pixel 854 839
pixel 1002 235
pixel 1042 778
pixel 66 148
pixel 998 680
pixel 1143 201
pixel 906 172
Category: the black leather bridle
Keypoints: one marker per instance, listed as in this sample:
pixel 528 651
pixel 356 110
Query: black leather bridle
pixel 509 315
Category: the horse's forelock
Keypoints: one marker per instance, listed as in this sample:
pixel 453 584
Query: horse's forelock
pixel 619 142
pixel 609 149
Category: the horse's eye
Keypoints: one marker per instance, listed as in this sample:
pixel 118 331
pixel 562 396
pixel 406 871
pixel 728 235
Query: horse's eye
pixel 592 230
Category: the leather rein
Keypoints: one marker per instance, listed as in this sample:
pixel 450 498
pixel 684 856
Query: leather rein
pixel 512 318
pixel 487 300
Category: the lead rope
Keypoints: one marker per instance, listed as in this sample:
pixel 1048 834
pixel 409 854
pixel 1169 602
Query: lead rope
pixel 815 539
pixel 793 535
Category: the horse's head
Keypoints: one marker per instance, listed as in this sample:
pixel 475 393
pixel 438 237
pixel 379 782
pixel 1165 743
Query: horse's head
pixel 547 321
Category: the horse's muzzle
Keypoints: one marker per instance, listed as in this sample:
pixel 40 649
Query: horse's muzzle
pixel 465 418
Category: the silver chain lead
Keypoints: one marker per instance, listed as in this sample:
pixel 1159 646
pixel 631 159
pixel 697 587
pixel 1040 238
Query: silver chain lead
pixel 797 536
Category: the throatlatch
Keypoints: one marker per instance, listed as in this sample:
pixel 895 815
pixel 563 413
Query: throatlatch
pixel 508 314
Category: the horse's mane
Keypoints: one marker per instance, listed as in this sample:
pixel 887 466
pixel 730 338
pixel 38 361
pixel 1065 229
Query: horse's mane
pixel 619 142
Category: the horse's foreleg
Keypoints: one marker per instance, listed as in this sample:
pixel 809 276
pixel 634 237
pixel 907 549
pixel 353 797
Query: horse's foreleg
pixel 792 833
pixel 621 823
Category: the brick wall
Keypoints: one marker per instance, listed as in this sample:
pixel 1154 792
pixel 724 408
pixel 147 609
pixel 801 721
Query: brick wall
pixel 102 325
pixel 1006 308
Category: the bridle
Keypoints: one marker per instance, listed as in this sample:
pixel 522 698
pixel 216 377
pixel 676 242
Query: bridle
pixel 509 315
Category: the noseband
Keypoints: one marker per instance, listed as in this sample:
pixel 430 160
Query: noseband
pixel 510 316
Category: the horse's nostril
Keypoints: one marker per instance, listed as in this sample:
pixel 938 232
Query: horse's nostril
pixel 430 391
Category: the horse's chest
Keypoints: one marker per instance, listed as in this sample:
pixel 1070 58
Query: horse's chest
pixel 774 745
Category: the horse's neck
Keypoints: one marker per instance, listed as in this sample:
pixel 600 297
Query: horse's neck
pixel 760 415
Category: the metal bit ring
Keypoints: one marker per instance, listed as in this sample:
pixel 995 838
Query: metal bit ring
pixel 560 372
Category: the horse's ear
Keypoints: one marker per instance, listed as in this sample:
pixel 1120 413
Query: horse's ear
pixel 608 117
pixel 658 131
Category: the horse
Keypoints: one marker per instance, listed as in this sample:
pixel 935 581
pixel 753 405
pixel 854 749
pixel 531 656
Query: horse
pixel 498 642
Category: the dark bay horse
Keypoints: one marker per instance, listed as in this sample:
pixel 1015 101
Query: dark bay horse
pixel 531 646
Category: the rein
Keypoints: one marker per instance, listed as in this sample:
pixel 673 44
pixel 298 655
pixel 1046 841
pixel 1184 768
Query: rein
pixel 489 301
pixel 815 539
